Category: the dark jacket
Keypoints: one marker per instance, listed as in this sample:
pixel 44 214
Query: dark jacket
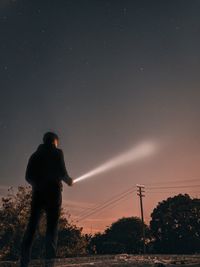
pixel 46 168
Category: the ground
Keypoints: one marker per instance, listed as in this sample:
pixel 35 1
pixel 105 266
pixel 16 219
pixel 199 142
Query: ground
pixel 122 260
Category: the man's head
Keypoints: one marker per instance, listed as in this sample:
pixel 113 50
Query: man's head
pixel 50 138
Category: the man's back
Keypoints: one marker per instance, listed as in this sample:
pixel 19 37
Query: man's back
pixel 46 168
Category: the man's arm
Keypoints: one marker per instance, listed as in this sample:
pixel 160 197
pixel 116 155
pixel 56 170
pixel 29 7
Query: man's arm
pixel 64 174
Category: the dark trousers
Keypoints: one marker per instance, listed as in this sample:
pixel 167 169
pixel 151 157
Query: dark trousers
pixel 50 202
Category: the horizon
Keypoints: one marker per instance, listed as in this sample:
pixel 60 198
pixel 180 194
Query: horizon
pixel 91 222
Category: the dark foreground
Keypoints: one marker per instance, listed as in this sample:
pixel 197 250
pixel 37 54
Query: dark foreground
pixel 122 260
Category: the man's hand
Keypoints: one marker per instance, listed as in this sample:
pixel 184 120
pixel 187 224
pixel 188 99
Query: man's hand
pixel 70 181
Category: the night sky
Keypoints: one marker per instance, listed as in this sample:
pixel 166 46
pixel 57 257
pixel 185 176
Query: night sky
pixel 104 75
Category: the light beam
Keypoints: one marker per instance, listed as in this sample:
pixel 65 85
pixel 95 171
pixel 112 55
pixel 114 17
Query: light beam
pixel 135 153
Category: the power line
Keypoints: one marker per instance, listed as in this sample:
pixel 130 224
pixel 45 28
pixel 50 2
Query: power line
pixel 78 207
pixel 85 214
pixel 124 198
pixel 112 205
pixel 105 202
pixel 174 181
pixel 105 206
pixel 173 192
pixel 117 198
pixel 168 187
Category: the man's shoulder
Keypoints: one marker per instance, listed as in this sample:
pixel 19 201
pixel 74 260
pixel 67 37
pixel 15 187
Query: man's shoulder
pixel 46 153
pixel 33 155
pixel 38 153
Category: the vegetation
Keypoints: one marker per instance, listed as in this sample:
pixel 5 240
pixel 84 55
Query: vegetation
pixel 14 213
pixel 175 225
pixel 174 228
pixel 123 236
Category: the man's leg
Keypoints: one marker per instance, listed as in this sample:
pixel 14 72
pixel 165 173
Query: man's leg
pixel 30 231
pixel 53 214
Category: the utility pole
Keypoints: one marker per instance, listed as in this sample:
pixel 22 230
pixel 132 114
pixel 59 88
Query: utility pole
pixel 140 193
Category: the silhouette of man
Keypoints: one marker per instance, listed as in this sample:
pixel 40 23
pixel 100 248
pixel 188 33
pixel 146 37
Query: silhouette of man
pixel 45 172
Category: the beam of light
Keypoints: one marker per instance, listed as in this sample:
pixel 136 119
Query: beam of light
pixel 135 153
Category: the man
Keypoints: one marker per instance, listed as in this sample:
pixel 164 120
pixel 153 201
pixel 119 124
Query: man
pixel 45 172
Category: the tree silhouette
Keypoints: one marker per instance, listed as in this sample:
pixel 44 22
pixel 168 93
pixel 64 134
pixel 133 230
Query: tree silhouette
pixel 14 213
pixel 175 225
pixel 123 236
